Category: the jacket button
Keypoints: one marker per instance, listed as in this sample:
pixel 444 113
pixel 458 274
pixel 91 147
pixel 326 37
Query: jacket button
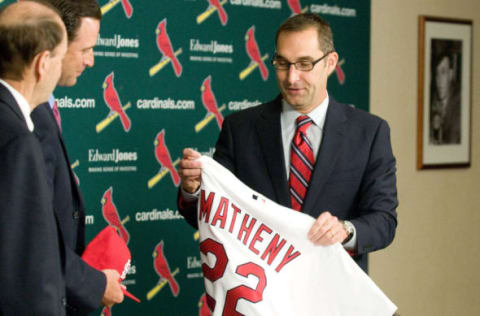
pixel 76 215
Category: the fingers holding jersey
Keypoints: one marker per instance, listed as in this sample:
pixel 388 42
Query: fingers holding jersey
pixel 326 230
pixel 190 170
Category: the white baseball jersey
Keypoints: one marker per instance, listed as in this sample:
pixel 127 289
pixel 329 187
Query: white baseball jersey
pixel 257 259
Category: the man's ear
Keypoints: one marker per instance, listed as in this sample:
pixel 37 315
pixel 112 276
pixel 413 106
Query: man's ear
pixel 332 60
pixel 41 62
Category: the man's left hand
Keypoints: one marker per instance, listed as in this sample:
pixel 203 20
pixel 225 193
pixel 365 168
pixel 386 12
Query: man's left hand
pixel 327 230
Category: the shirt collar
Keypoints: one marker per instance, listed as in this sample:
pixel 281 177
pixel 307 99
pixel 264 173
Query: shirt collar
pixel 22 103
pixel 318 114
pixel 51 101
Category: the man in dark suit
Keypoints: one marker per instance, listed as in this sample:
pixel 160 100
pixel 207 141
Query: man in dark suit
pixel 33 42
pixel 348 182
pixel 87 288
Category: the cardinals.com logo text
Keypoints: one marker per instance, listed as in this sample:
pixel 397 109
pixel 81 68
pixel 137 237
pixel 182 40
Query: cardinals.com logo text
pixel 164 45
pixel 257 61
pixel 112 101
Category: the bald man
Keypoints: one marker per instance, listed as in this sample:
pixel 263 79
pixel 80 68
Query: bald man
pixel 33 42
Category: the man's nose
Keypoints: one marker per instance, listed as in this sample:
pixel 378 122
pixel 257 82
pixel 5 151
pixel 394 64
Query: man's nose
pixel 293 73
pixel 89 59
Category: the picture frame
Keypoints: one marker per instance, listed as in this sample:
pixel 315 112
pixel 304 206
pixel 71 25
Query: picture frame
pixel 444 92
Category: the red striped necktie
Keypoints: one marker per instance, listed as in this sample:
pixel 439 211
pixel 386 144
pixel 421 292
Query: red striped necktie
pixel 301 163
pixel 57 116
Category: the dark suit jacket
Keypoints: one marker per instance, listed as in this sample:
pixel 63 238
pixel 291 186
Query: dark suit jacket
pixel 354 176
pixel 85 285
pixel 30 256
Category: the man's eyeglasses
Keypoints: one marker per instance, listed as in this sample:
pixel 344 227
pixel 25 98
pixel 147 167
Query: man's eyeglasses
pixel 302 65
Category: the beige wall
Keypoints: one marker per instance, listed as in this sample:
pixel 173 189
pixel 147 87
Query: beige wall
pixel 433 266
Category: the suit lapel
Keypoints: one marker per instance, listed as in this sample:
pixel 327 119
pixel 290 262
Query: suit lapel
pixel 330 149
pixel 77 196
pixel 270 137
pixel 73 183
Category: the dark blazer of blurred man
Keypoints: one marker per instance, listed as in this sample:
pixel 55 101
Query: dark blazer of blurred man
pixel 33 42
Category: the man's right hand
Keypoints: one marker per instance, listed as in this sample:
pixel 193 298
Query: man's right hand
pixel 190 170
pixel 113 291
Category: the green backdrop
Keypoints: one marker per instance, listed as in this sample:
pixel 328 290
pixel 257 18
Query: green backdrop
pixel 108 156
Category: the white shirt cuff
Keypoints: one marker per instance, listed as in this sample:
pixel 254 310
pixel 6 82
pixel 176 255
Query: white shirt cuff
pixel 190 197
pixel 352 243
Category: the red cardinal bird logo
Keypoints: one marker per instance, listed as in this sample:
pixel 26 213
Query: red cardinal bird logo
pixel 77 180
pixel 73 166
pixel 222 14
pixel 295 6
pixel 209 101
pixel 163 156
pixel 254 52
pixel 106 311
pixel 112 100
pixel 162 268
pixel 127 8
pixel 165 46
pixel 110 213
pixel 340 73
pixel 203 309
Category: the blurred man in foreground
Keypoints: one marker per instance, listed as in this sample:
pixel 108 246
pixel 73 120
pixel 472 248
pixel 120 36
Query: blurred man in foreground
pixel 33 42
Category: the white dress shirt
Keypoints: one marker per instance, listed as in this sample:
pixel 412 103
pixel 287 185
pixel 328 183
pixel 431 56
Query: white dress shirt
pixel 22 103
pixel 51 101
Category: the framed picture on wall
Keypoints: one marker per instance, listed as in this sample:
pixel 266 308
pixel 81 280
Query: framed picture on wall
pixel 444 92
